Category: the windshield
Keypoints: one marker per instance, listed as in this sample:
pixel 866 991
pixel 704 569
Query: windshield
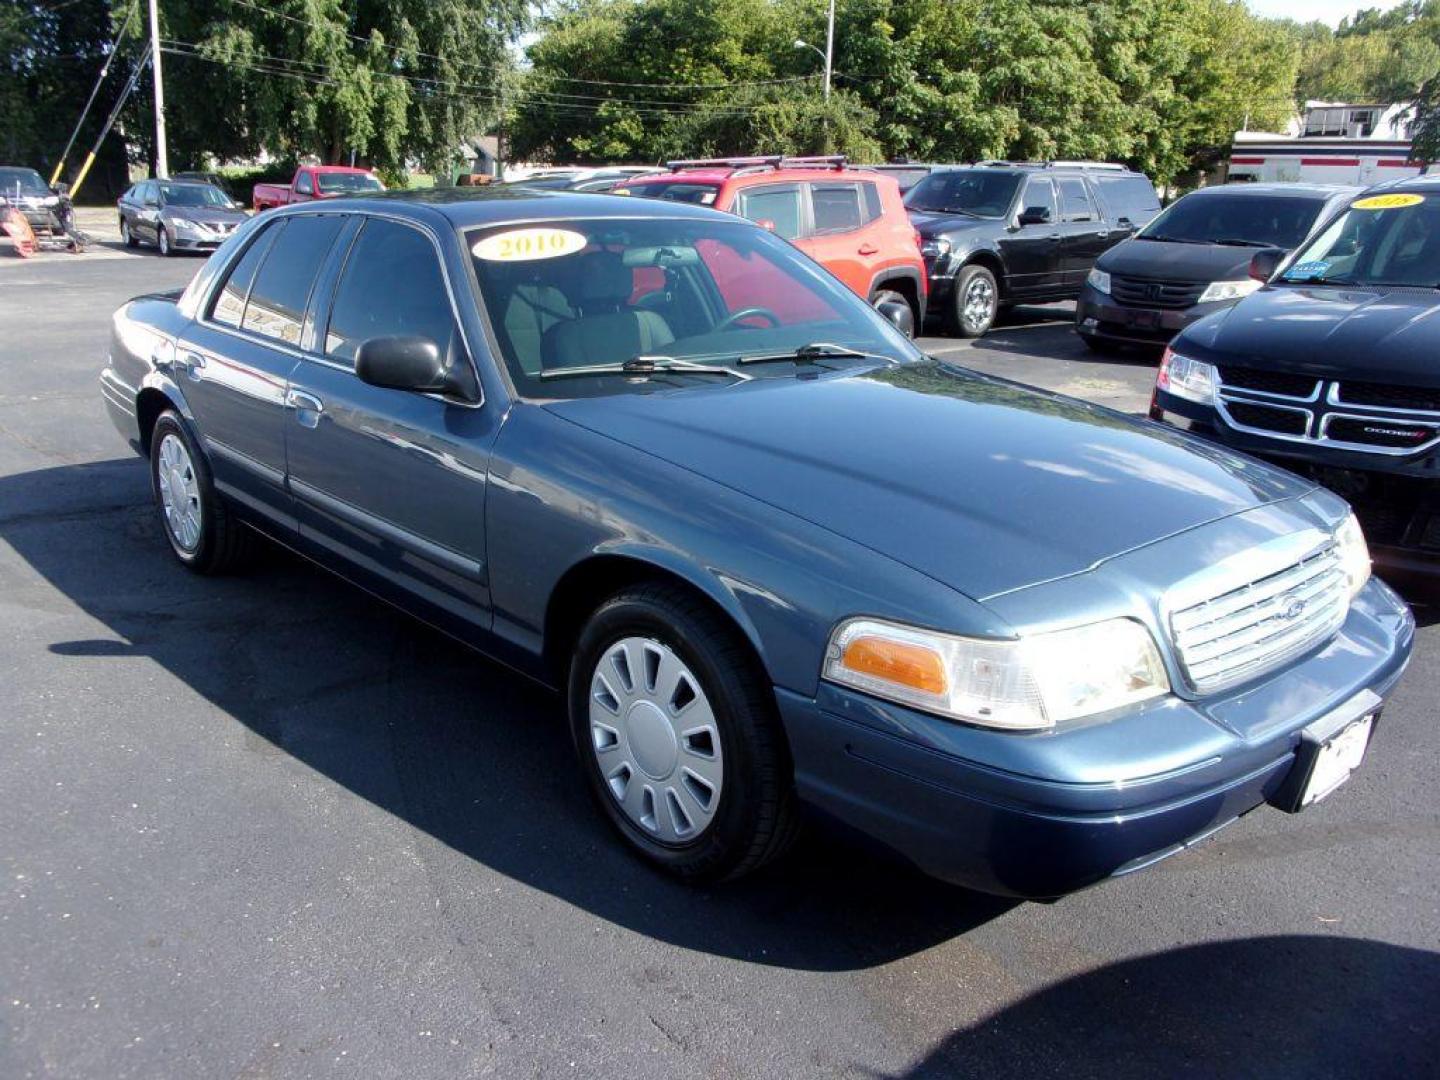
pixel 1378 240
pixel 26 181
pixel 194 195
pixel 673 191
pixel 333 183
pixel 1281 221
pixel 974 191
pixel 581 294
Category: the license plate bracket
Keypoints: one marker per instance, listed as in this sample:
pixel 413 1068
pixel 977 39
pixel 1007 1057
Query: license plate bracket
pixel 1145 320
pixel 1330 750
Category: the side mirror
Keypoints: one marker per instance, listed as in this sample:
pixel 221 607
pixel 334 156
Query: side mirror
pixel 766 224
pixel 1035 215
pixel 403 363
pixel 899 315
pixel 61 188
pixel 1263 264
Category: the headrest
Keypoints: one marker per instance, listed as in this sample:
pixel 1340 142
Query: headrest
pixel 604 279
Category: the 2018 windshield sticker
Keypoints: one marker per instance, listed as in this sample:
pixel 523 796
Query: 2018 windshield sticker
pixel 1388 202
pixel 527 245
pixel 1313 268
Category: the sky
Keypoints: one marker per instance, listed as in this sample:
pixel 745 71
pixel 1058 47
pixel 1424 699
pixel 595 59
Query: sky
pixel 1329 11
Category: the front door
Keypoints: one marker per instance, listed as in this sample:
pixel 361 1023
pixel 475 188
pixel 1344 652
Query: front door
pixel 1032 251
pixel 390 480
pixel 234 362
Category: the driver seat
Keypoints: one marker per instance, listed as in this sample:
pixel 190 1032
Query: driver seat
pixel 607 332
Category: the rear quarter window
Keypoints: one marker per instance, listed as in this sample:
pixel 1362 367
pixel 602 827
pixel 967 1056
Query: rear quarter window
pixel 1130 197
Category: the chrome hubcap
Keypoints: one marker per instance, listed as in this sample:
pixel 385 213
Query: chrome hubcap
pixel 179 493
pixel 979 303
pixel 653 734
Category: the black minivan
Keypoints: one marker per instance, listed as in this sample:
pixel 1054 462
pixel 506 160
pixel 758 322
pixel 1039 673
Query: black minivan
pixel 1194 259
pixel 1329 369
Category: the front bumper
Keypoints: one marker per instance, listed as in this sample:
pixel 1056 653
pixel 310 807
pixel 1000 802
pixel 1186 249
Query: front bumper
pixel 199 239
pixel 1098 316
pixel 1026 815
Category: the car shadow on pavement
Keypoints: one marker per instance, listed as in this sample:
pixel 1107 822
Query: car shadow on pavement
pixel 432 733
pixel 1256 1007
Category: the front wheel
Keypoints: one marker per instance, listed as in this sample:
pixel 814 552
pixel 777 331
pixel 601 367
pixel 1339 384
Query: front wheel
pixel 203 534
pixel 890 296
pixel 162 238
pixel 977 300
pixel 126 235
pixel 678 737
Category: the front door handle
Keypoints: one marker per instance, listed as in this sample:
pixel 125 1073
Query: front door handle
pixel 192 363
pixel 868 249
pixel 1054 238
pixel 307 407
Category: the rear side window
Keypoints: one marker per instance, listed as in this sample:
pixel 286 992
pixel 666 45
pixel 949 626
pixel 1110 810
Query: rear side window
pixel 391 285
pixel 276 307
pixel 836 207
pixel 229 304
pixel 780 205
pixel 873 207
pixel 1131 197
pixel 1075 199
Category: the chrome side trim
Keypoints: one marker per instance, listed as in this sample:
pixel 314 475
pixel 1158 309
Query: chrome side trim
pixel 239 458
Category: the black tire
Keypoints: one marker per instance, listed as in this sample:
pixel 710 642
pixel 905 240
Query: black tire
pixel 225 544
pixel 757 818
pixel 890 296
pixel 162 241
pixel 961 324
pixel 126 235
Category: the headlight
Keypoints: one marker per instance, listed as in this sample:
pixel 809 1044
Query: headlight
pixel 1228 290
pixel 1186 378
pixel 1098 280
pixel 934 247
pixel 182 223
pixel 1033 682
pixel 1354 554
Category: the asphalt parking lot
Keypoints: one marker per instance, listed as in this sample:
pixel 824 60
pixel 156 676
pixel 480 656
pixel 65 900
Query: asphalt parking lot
pixel 264 826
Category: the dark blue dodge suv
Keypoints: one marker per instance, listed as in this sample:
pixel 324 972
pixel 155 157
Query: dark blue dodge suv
pixel 768 552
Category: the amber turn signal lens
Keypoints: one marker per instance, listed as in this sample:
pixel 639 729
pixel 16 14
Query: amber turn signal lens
pixel 899 662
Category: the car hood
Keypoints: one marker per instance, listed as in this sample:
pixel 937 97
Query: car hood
pixel 207 214
pixel 929 223
pixel 1382 335
pixel 980 483
pixel 1177 262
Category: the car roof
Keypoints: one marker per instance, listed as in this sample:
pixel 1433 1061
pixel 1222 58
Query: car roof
pixel 1319 191
pixel 467 208
pixel 1421 184
pixel 1040 168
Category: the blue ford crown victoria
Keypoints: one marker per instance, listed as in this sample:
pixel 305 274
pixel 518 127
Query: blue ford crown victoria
pixel 771 554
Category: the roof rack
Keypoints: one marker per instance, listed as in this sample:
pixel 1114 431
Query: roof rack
pixel 758 164
pixel 1108 165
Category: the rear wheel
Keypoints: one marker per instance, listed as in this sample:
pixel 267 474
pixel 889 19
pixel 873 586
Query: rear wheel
pixel 203 533
pixel 977 300
pixel 677 735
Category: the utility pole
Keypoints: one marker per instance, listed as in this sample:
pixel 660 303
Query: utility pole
pixel 829 46
pixel 162 166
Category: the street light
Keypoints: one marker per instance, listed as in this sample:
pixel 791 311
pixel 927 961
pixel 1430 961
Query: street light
pixel 829 54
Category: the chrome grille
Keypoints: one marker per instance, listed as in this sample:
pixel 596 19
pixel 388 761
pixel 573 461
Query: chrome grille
pixel 1246 631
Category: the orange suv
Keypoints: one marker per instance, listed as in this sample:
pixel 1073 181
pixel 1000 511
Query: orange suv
pixel 849 220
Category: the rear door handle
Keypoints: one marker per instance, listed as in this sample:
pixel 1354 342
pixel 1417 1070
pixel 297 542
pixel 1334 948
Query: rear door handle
pixel 868 249
pixel 307 407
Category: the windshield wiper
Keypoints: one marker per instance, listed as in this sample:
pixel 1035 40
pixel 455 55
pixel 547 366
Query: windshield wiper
pixel 1167 239
pixel 1231 241
pixel 815 350
pixel 644 365
pixel 961 210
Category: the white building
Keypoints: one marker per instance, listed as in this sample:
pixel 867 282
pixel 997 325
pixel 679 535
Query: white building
pixel 1330 143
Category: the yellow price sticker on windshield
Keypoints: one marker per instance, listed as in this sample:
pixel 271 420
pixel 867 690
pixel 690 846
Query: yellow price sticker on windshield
pixel 526 245
pixel 1388 202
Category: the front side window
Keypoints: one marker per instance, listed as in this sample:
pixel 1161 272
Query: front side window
pixel 1075 199
pixel 780 206
pixel 1039 195
pixel 973 192
pixel 1380 240
pixel 1239 218
pixel 836 207
pixel 276 307
pixel 571 295
pixel 391 286
pixel 347 183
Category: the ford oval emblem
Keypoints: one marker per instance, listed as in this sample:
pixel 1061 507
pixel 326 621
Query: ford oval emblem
pixel 1293 610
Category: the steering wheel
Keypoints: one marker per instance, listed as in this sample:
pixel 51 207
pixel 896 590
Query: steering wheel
pixel 748 313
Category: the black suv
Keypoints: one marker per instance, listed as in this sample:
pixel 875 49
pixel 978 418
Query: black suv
pixel 1330 368
pixel 1005 232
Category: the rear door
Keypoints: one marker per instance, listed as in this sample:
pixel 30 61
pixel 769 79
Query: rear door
pixel 1032 252
pixel 780 207
pixel 234 363
pixel 838 238
pixel 1084 233
pixel 392 481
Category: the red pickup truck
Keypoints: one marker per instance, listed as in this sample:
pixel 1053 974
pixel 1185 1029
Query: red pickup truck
pixel 316 182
